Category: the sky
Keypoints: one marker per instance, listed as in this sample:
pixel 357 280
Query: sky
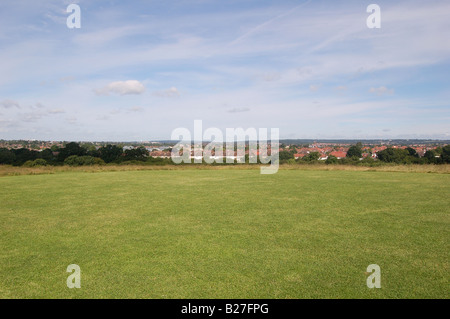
pixel 137 70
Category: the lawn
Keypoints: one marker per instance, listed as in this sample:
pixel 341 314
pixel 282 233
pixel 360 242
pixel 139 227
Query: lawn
pixel 225 234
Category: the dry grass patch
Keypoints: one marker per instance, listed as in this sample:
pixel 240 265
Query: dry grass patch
pixel 8 170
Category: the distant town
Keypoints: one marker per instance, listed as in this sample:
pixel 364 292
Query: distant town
pixel 295 149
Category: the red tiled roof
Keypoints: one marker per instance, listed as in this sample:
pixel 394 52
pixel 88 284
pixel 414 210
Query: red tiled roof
pixel 339 154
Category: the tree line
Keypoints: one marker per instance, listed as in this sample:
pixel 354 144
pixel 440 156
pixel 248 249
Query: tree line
pixel 75 155
pixel 440 155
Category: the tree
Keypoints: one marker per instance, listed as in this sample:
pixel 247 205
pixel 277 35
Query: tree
pixel 412 152
pixel 91 150
pixel 110 153
pixel 6 156
pixel 70 149
pixel 355 151
pixel 54 148
pixel 47 155
pixel 285 155
pixel 445 156
pixel 23 154
pixel 136 154
pixel 313 156
pixel 430 155
pixel 393 155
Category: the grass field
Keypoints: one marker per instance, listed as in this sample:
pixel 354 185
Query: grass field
pixel 225 233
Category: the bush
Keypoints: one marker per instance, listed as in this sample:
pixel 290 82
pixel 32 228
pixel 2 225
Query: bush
pixel 36 163
pixel 99 161
pixel 331 160
pixel 368 160
pixel 75 160
pixel 165 161
pixel 349 161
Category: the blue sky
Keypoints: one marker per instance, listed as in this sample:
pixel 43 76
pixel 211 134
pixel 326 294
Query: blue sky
pixel 136 70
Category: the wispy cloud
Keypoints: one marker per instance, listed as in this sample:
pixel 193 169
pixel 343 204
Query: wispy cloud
pixel 71 119
pixel 238 110
pixel 32 116
pixel 382 90
pixel 265 24
pixel 56 111
pixel 136 109
pixel 311 67
pixel 314 88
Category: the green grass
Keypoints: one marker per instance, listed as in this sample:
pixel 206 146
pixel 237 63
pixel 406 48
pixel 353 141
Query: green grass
pixel 225 234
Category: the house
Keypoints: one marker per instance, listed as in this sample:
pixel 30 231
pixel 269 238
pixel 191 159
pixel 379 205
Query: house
pixel 339 154
pixel 297 156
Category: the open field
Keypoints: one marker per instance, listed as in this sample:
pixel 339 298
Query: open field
pixel 224 233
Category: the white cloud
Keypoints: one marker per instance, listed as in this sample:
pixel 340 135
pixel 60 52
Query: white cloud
pixel 122 88
pixel 9 104
pixel 382 90
pixel 172 92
